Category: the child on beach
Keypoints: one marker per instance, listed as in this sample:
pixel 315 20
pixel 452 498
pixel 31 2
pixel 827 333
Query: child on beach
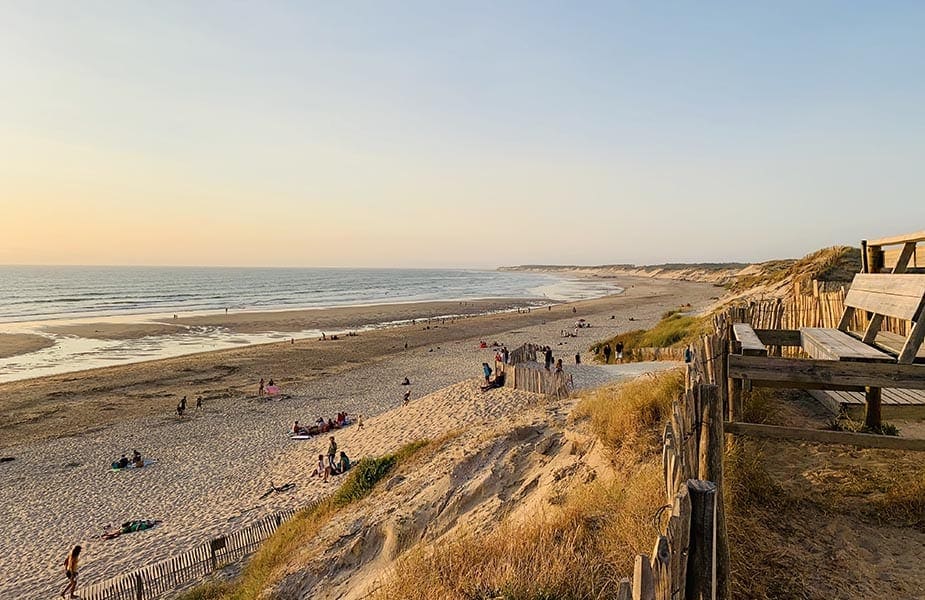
pixel 70 571
pixel 260 387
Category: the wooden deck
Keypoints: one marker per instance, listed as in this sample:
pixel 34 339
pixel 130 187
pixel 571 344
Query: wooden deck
pixel 897 402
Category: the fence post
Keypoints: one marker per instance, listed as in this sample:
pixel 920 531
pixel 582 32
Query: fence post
pixel 139 587
pixel 701 562
pixel 711 469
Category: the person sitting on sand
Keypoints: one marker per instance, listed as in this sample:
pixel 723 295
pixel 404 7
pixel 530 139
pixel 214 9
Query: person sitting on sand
pixel 497 382
pixel 121 463
pixel 297 429
pixel 406 381
pixel 137 461
pixel 331 425
pixel 343 465
pixel 319 469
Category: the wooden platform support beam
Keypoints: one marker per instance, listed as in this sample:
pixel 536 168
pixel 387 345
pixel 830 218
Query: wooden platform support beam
pixel 819 436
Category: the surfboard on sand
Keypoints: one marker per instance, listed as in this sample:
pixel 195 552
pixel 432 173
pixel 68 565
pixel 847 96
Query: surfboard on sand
pixel 301 437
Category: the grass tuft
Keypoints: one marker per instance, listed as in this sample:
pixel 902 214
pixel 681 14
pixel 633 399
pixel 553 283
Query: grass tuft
pixel 675 329
pixel 628 417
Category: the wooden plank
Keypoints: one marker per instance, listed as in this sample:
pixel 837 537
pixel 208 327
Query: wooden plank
pixel 832 344
pixel 914 341
pixel 779 337
pixel 661 568
pixel 625 590
pixel 746 336
pixel 918 236
pixel 861 440
pixel 679 531
pixel 711 469
pixel 809 371
pixel 643 580
pixel 701 563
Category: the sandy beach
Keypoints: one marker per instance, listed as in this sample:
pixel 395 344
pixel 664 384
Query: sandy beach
pixel 212 466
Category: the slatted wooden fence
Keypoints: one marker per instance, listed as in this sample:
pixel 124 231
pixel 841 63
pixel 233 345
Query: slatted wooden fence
pixel 523 372
pixel 159 579
pixel 690 556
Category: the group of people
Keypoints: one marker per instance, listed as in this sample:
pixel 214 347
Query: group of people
pixel 137 461
pixel 181 405
pixel 322 425
pixel 335 465
pixel 617 352
pixel 263 386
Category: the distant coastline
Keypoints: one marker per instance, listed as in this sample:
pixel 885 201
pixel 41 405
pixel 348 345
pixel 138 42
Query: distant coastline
pixel 716 273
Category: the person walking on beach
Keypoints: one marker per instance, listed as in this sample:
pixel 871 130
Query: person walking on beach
pixel 619 349
pixel 70 571
pixel 198 402
pixel 407 397
pixel 548 358
pixel 332 452
pixel 486 370
pixel 606 354
pixel 260 387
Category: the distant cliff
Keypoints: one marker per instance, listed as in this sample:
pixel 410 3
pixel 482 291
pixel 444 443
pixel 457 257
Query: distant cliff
pixel 836 265
pixel 719 273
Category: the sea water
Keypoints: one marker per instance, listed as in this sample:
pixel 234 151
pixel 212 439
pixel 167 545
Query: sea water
pixel 31 297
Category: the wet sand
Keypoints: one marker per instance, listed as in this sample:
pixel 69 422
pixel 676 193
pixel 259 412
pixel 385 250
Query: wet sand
pixel 14 344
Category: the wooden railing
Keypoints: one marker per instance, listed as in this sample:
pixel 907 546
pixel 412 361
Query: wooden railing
pixel 162 578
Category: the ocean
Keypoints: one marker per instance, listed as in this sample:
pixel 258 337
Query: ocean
pixel 32 298
pixel 30 293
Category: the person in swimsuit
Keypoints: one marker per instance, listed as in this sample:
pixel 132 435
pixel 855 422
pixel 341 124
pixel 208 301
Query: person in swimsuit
pixel 70 571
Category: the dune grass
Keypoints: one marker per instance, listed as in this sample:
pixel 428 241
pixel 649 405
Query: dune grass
pixel 675 329
pixel 579 548
pixel 628 417
pixel 265 567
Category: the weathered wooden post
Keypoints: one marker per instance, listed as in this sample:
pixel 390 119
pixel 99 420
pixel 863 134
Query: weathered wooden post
pixel 139 587
pixel 701 562
pixel 735 387
pixel 711 469
pixel 643 580
pixel 872 397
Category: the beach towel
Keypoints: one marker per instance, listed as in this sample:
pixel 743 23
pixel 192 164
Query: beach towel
pixel 272 390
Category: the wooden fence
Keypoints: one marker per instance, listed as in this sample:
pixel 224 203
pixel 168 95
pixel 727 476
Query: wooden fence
pixel 690 556
pixel 820 308
pixel 159 579
pixel 523 372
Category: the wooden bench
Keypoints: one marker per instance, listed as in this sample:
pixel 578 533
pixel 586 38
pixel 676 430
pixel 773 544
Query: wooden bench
pixel 901 296
pixel 747 340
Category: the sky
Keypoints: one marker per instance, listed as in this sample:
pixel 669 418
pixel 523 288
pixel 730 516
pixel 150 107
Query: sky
pixel 475 134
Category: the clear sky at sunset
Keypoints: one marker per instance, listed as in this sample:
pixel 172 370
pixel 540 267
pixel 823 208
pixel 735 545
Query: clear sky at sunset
pixel 455 134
